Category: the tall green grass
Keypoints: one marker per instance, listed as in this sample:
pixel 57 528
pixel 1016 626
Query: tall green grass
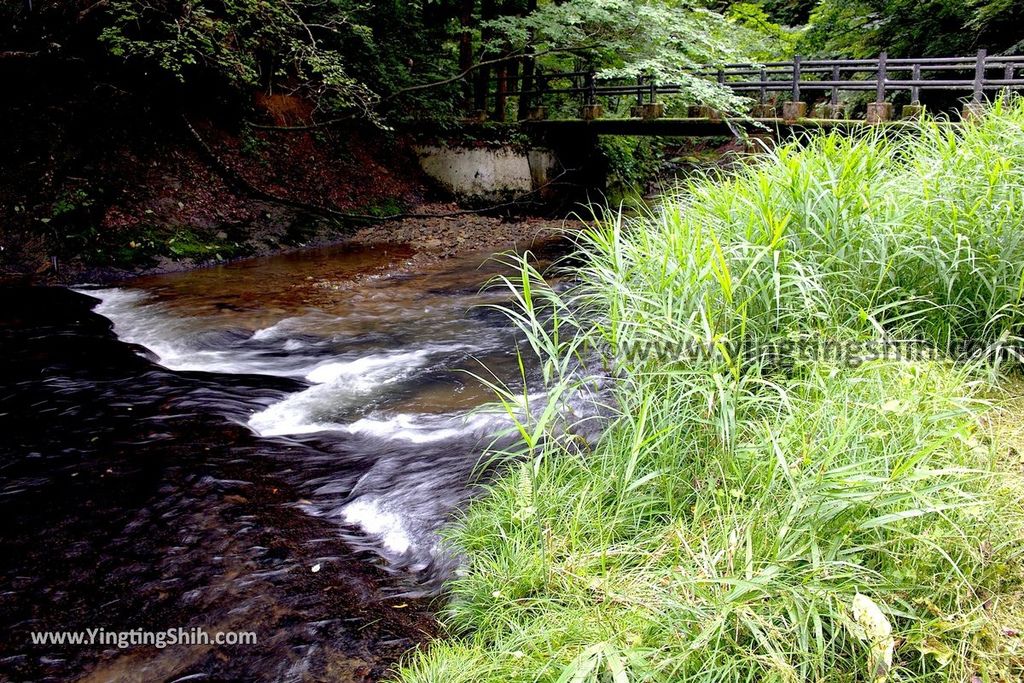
pixel 747 518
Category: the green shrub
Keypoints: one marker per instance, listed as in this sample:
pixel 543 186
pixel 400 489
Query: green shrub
pixel 632 164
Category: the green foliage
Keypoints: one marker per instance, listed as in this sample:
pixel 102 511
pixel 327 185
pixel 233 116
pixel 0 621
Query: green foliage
pixel 139 245
pixel 766 40
pixel 71 202
pixel 187 243
pixel 912 28
pixel 251 144
pixel 342 55
pixel 386 207
pixel 789 12
pixel 632 164
pixel 71 221
pixel 828 519
pixel 863 28
pixel 250 43
pixel 399 61
pixel 627 38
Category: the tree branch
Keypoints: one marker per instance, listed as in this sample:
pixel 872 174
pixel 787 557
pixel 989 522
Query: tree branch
pixel 92 8
pixel 487 62
pixel 17 54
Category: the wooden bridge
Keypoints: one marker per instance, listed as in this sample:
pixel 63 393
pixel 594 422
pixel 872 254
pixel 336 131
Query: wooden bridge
pixel 803 93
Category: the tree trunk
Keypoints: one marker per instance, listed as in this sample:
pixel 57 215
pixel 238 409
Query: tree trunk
pixel 466 48
pixel 506 77
pixel 526 82
pixel 483 74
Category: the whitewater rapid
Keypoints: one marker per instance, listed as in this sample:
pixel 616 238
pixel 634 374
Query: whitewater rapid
pixel 386 383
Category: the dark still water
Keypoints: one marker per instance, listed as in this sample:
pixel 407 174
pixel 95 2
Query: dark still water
pixel 266 447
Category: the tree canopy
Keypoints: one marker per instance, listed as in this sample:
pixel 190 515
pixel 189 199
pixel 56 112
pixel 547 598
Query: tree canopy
pixel 858 28
pixel 386 59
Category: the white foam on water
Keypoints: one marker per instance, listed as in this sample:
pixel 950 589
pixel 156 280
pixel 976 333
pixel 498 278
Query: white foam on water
pixel 387 526
pixel 139 320
pixel 278 329
pixel 427 428
pixel 135 323
pixel 293 415
pixel 400 516
pixel 370 370
pixel 338 385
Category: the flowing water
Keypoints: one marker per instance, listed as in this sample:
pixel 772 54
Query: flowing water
pixel 269 446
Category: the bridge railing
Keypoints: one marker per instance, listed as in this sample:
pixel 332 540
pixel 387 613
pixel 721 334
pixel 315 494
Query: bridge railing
pixel 977 77
pixel 977 74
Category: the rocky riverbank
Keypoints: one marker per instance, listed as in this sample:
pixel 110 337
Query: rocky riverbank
pixel 431 233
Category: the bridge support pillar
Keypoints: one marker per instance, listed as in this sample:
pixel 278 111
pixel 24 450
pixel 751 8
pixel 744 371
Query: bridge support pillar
pixel 764 111
pixel 973 111
pixel 879 112
pixel 791 111
pixel 589 112
pixel 911 112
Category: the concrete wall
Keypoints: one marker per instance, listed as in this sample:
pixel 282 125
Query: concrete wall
pixel 488 173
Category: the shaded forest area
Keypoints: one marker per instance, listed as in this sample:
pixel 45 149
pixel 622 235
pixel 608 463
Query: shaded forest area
pixel 135 131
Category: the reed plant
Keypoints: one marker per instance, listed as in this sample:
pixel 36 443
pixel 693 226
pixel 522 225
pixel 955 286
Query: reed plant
pixel 773 517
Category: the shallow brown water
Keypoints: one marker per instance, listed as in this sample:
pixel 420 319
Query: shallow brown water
pixel 184 450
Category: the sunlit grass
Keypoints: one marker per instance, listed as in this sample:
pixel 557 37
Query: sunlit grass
pixel 769 519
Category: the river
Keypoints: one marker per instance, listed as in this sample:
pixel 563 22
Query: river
pixel 269 446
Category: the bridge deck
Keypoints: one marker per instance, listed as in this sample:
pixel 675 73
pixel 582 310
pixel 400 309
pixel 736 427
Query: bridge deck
pixel 699 127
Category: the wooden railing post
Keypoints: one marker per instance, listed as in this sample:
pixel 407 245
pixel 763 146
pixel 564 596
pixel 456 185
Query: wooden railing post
pixel 914 110
pixel 591 109
pixel 651 109
pixel 791 111
pixel 832 110
pixel 763 110
pixel 537 110
pixel 976 106
pixel 526 85
pixel 979 76
pixel 637 111
pixel 796 78
pixel 880 111
pixel 883 75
